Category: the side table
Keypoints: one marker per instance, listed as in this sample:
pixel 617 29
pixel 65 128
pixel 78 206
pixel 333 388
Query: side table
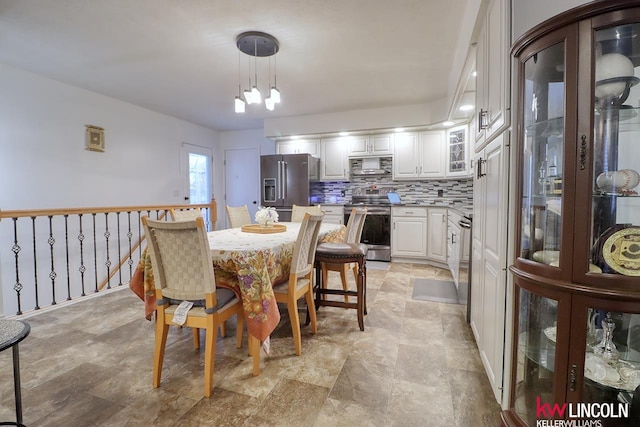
pixel 11 333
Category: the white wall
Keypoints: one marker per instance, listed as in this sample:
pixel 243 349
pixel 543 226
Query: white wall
pixel 375 118
pixel 230 140
pixel 527 13
pixel 43 163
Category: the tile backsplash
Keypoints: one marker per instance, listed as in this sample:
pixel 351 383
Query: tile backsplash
pixel 455 192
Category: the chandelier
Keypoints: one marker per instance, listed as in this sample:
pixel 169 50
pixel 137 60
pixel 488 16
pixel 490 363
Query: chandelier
pixel 256 44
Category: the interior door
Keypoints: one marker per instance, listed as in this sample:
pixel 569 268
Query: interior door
pixel 197 172
pixel 242 179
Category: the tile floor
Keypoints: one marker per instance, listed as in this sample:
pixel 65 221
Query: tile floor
pixel 416 364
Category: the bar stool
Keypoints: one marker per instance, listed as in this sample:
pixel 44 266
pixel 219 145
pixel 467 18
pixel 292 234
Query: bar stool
pixel 343 253
pixel 11 333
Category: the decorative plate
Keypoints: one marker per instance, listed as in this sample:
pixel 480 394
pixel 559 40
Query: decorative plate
pixel 621 251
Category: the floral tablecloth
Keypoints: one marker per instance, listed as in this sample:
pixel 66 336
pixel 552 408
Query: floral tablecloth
pixel 249 264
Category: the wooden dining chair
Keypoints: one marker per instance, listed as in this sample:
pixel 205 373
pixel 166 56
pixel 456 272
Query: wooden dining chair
pixel 297 212
pixel 300 281
pixel 184 214
pixel 183 270
pixel 238 216
pixel 352 235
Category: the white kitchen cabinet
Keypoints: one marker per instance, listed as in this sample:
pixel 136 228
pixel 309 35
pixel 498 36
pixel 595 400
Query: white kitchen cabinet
pixel 489 257
pixel 405 155
pixel 437 234
pixel 453 246
pixel 457 152
pixel 334 164
pixel 492 78
pixel 298 146
pixel 409 232
pixel 333 214
pixel 371 145
pixel 419 155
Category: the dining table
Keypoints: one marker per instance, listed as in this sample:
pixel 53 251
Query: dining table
pixel 250 264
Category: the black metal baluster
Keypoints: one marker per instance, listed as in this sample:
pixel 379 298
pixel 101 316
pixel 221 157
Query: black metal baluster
pixel 119 249
pixel 129 236
pixel 108 261
pixel 52 273
pixel 16 250
pixel 82 268
pixel 35 260
pixel 66 244
pixel 95 253
pixel 140 234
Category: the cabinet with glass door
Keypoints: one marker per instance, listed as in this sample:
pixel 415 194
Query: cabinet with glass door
pixel 576 331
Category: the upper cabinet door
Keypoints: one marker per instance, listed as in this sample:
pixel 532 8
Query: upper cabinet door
pixel 433 155
pixel 492 68
pixel 333 160
pixel 457 155
pixel 406 163
pixel 381 145
pixel 299 146
pixel 358 146
pixel 371 145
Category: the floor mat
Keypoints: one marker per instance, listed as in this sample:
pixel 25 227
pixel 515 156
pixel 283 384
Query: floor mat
pixel 378 265
pixel 435 290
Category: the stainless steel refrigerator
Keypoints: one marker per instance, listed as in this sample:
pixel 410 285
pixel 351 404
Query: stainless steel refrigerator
pixel 286 180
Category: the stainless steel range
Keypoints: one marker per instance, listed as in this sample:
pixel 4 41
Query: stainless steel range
pixel 376 233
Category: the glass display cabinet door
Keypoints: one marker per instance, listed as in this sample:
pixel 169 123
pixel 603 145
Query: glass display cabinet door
pixel 535 355
pixel 542 155
pixel 612 364
pixel 615 216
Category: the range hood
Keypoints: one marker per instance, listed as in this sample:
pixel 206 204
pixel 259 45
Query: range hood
pixel 370 166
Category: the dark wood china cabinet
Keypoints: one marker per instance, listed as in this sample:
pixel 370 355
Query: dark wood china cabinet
pixel 576 330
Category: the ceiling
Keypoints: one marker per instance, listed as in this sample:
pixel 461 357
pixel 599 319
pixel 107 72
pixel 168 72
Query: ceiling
pixel 180 58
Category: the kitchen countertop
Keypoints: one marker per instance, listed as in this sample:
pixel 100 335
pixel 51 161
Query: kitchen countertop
pixel 466 210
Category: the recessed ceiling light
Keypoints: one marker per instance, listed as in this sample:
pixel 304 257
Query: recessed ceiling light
pixel 344 133
pixel 399 129
pixel 475 73
pixel 467 107
pixel 447 123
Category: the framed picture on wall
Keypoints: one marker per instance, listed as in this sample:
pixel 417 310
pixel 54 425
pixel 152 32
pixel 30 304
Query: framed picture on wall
pixel 94 139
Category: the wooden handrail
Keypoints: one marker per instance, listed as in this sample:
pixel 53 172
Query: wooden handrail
pixel 77 211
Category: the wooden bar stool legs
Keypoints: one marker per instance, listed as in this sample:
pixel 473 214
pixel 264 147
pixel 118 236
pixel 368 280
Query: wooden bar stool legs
pixel 343 253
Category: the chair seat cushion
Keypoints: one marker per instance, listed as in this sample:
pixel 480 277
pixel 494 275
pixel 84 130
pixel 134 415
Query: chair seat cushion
pixel 224 297
pixel 342 249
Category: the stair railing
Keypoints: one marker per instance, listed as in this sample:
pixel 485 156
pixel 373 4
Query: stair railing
pixel 57 255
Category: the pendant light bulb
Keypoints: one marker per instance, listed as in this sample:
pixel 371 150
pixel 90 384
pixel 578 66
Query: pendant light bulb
pixel 256 97
pixel 275 94
pixel 239 105
pixel 269 103
pixel 248 96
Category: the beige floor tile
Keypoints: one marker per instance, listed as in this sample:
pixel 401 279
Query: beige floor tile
pixel 90 364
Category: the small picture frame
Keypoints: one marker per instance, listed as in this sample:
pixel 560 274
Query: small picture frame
pixel 94 139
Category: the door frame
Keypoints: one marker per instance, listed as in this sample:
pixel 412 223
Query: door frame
pixel 186 149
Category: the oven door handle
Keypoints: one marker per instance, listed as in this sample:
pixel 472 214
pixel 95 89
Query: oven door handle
pixel 378 211
pixel 464 224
